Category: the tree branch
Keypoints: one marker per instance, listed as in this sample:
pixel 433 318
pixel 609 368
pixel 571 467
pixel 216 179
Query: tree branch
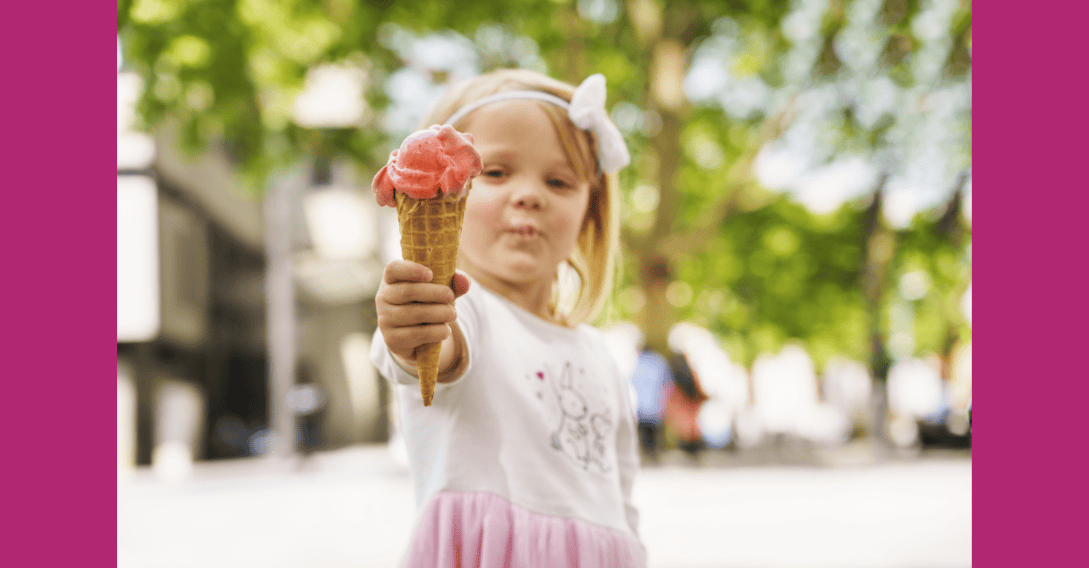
pixel 703 230
pixel 949 223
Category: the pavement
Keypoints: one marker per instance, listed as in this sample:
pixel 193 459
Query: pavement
pixel 784 506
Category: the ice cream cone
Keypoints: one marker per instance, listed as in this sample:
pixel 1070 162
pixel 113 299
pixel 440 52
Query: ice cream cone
pixel 430 232
pixel 427 180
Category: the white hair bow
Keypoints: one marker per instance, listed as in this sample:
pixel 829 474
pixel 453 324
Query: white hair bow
pixel 587 111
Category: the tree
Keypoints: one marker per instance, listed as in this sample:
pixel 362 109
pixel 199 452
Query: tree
pixel 742 117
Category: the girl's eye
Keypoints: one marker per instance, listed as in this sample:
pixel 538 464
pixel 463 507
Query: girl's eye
pixel 559 183
pixel 494 173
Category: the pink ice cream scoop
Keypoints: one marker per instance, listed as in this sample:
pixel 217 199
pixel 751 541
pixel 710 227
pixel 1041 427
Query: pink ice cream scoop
pixel 439 158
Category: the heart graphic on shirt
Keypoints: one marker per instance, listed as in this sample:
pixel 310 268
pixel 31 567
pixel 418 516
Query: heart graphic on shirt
pixel 540 375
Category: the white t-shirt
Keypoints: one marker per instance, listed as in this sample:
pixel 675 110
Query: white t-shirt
pixel 540 417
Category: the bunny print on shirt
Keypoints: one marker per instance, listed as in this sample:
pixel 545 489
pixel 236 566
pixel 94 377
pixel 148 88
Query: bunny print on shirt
pixel 584 425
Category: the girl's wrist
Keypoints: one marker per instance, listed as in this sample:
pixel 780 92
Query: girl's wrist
pixel 461 357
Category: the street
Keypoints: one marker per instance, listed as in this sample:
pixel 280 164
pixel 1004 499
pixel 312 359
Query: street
pixel 354 508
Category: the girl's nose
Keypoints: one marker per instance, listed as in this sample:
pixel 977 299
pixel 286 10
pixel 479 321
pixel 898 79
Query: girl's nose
pixel 528 197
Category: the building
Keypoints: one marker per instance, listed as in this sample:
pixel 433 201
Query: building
pixel 195 368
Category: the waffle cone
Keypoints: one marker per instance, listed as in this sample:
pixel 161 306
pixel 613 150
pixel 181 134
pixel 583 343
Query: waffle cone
pixel 430 232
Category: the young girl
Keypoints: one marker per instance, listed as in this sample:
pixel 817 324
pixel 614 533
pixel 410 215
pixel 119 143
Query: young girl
pixel 527 454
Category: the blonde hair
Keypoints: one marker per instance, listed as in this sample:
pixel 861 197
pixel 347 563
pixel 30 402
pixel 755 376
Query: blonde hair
pixel 596 253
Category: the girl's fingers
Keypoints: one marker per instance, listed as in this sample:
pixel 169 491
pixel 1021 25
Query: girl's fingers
pixel 411 310
pixel 409 315
pixel 404 340
pixel 406 271
pixel 409 292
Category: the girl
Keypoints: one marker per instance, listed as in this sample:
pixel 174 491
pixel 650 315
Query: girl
pixel 527 454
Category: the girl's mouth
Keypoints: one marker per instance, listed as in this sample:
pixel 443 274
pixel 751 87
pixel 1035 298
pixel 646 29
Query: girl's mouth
pixel 523 228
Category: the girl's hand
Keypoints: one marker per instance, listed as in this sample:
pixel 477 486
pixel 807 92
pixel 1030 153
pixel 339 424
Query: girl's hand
pixel 412 311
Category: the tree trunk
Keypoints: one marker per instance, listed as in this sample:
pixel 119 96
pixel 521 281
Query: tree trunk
pixel 575 62
pixel 658 269
pixel 879 242
pixel 656 273
pixel 664 57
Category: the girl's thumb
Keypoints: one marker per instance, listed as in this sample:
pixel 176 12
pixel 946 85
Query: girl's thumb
pixel 459 283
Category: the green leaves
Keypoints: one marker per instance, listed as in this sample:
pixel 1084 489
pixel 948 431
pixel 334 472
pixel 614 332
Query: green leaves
pixel 753 265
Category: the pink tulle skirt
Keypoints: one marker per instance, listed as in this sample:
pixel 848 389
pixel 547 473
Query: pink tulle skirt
pixel 482 530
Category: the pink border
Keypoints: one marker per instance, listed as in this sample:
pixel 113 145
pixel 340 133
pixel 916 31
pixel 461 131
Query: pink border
pixel 59 285
pixel 61 434
pixel 1029 143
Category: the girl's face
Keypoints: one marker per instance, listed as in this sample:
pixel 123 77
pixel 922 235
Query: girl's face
pixel 525 210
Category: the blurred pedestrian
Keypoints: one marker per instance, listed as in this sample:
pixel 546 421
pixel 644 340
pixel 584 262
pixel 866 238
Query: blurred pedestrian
pixel 527 454
pixel 683 406
pixel 652 380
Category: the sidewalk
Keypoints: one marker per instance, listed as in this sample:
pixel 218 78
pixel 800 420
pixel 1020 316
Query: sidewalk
pixel 860 452
pixel 354 507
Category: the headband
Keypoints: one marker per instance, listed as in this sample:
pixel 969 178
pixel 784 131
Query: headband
pixel 586 110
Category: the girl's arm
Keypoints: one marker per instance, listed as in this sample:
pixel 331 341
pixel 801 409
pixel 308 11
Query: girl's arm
pixel 627 456
pixel 412 311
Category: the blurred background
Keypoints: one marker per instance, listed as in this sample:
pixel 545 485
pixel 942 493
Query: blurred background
pixel 794 306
